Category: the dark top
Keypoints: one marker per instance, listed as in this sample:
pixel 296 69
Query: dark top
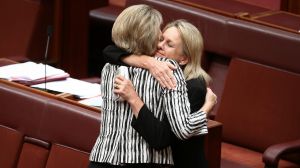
pixel 186 153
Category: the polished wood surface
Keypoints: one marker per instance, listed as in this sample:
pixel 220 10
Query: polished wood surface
pixel 60 97
pixel 279 19
pixel 64 97
pixel 227 8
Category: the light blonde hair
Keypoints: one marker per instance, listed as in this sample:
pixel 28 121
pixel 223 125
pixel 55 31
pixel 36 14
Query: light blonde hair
pixel 137 29
pixel 192 42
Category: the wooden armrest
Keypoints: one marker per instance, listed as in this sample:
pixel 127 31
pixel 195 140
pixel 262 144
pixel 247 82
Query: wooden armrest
pixel 212 124
pixel 92 80
pixel 107 13
pixel 273 153
pixel 213 142
pixel 5 61
pixel 37 142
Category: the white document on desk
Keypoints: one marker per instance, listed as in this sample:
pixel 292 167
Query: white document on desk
pixel 73 86
pixel 94 101
pixel 31 73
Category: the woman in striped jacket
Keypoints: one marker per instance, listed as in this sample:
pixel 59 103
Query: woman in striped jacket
pixel 188 153
pixel 137 30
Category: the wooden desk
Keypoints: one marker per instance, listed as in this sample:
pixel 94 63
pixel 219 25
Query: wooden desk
pixel 278 19
pixel 235 9
pixel 213 142
pixel 227 8
pixel 67 98
pixel 64 97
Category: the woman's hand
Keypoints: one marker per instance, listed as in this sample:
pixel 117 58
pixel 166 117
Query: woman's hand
pixel 210 101
pixel 124 88
pixel 162 72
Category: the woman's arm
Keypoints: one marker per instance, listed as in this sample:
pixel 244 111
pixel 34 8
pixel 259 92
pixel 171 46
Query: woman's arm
pixel 177 107
pixel 160 70
pixel 210 101
pixel 113 54
pixel 157 133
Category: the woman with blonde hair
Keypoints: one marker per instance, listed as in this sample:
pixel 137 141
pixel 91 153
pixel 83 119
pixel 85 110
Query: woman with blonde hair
pixel 182 42
pixel 137 30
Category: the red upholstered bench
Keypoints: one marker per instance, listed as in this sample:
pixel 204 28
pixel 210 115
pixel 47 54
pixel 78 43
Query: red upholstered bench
pixel 63 156
pixel 106 14
pixel 52 129
pixel 10 145
pixel 230 8
pixel 226 37
pixel 262 44
pixel 259 108
pixel 57 133
pixel 34 153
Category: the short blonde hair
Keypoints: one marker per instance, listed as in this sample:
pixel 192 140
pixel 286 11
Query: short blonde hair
pixel 192 42
pixel 137 29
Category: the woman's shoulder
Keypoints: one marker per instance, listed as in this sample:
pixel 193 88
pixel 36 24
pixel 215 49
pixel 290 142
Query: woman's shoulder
pixel 177 71
pixel 167 60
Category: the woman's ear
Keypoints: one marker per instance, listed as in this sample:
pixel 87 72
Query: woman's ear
pixel 183 60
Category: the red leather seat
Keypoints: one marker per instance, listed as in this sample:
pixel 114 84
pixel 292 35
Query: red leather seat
pixel 62 156
pixel 10 145
pixel 259 108
pixel 34 153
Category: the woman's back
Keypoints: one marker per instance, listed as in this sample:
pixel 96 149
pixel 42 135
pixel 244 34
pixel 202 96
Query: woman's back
pixel 118 142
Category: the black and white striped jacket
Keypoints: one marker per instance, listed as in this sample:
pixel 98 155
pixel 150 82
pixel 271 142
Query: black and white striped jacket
pixel 118 142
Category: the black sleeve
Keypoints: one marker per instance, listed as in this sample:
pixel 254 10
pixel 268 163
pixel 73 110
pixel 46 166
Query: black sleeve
pixel 113 54
pixel 196 93
pixel 157 133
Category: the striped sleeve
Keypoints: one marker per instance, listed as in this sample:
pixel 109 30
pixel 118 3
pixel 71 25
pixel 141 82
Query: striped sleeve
pixel 177 107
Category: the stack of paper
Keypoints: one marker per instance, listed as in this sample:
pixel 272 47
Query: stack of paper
pixel 93 101
pixel 30 73
pixel 73 86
